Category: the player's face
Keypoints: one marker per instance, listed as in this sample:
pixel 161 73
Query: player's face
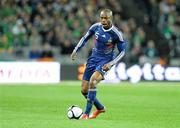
pixel 105 19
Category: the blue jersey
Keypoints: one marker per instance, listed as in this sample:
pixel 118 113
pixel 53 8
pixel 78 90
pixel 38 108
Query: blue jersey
pixel 105 39
pixel 103 52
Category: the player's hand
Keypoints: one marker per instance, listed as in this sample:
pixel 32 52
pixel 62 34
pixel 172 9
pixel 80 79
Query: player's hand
pixel 106 67
pixel 73 55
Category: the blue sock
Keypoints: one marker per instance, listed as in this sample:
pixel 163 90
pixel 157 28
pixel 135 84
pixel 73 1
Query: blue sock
pixel 97 104
pixel 90 100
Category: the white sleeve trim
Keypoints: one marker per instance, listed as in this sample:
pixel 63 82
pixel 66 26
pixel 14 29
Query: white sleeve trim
pixel 96 24
pixel 118 33
pixel 113 62
pixel 81 41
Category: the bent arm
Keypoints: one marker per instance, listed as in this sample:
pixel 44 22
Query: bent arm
pixel 121 49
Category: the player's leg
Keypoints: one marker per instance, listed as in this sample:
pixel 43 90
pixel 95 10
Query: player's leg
pixel 88 73
pixel 84 88
pixel 94 80
pixel 84 91
pixel 101 108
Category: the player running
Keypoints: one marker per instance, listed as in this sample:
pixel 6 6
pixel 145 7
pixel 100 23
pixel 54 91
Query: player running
pixel 101 60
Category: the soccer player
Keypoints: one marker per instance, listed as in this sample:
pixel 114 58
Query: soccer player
pixel 101 60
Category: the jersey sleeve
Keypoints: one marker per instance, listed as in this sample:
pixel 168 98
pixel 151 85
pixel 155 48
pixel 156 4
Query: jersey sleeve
pixel 86 37
pixel 121 44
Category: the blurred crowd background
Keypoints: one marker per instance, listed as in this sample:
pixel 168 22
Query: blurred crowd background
pixel 48 30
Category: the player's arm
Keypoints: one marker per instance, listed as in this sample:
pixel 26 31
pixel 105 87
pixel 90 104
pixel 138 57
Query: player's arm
pixel 121 49
pixel 83 41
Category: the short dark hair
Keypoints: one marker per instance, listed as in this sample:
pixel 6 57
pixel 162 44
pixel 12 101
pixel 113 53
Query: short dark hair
pixel 106 10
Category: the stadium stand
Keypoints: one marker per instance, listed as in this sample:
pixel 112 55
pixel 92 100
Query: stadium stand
pixel 47 30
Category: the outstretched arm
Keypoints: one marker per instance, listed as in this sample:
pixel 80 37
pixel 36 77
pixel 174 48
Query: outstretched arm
pixel 84 40
pixel 81 43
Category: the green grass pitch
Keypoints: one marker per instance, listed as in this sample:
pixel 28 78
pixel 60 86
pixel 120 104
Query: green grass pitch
pixel 142 105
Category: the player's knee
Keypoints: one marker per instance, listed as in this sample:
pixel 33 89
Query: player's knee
pixel 84 89
pixel 93 83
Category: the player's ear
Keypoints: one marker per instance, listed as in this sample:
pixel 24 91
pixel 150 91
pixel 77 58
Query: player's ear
pixel 111 19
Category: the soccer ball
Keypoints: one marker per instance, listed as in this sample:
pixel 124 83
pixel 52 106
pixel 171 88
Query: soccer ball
pixel 74 112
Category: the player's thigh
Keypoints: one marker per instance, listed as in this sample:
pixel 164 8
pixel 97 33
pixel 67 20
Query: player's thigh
pixel 88 72
pixel 84 86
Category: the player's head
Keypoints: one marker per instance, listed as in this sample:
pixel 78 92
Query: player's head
pixel 106 18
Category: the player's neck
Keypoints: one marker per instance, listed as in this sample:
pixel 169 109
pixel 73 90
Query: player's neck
pixel 108 27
